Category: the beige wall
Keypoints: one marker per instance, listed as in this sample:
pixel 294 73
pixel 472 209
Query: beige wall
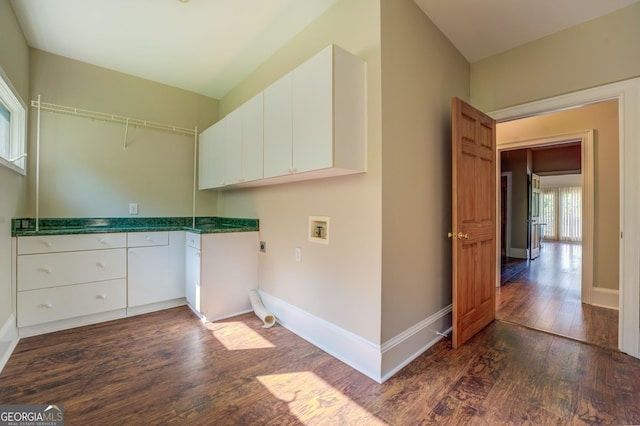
pixel 339 282
pixel 597 52
pixel 14 60
pixel 421 72
pixel 603 117
pixel 85 172
pixel 516 163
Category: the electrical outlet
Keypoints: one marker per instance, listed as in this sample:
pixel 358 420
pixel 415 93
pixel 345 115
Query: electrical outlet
pixel 133 208
pixel 263 246
pixel 298 254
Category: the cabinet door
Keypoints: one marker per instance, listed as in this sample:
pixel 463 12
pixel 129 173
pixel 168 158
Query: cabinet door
pixel 217 156
pixel 252 138
pixel 313 113
pixel 278 104
pixel 233 147
pixel 192 277
pixel 148 275
pixel 175 289
pixel 205 167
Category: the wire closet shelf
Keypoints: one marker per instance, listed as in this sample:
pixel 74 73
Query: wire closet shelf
pixel 112 118
pixel 127 121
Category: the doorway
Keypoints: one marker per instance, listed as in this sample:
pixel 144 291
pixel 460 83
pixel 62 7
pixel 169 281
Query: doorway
pixel 549 305
pixel 628 243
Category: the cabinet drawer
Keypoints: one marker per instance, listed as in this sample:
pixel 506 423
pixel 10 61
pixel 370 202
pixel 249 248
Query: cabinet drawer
pixel 147 239
pixel 55 269
pixel 53 304
pixel 60 243
pixel 193 240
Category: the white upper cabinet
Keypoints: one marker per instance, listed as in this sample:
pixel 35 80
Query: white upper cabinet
pixel 278 122
pixel 211 156
pixel 252 138
pixel 233 148
pixel 311 123
pixel 204 169
pixel 313 113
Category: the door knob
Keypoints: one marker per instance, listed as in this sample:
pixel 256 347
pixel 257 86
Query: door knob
pixel 458 236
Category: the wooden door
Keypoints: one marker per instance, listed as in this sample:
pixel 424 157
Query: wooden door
pixel 534 217
pixel 474 220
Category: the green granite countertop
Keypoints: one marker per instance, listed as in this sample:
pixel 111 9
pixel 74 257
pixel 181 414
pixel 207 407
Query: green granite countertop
pixel 22 227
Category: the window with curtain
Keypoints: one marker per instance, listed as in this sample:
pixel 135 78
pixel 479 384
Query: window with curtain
pixel 562 214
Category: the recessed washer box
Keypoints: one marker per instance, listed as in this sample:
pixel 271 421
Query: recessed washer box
pixel 319 229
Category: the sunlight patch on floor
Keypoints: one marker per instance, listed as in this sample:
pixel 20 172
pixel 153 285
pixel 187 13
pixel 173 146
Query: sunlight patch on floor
pixel 313 401
pixel 237 336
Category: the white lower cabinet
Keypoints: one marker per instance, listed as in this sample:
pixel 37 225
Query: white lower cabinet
pixel 220 271
pixel 59 303
pixel 64 281
pixel 228 270
pixel 192 271
pixel 69 280
pixel 155 267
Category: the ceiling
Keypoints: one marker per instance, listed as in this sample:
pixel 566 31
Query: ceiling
pixel 482 28
pixel 209 46
pixel 205 46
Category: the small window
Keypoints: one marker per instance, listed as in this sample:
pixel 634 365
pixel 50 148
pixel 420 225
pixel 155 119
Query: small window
pixel 13 127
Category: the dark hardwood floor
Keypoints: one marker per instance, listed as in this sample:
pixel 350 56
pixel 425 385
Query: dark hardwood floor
pixel 169 368
pixel 545 294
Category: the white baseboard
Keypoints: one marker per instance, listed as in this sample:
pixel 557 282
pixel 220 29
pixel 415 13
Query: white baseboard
pixel 377 362
pixel 218 318
pixel 8 340
pixel 50 327
pixel 519 253
pixel 349 348
pixel 408 345
pixel 153 307
pixel 605 297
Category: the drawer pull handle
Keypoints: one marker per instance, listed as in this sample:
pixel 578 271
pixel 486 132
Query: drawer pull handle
pixel 101 296
pixel 103 241
pixel 100 264
pixel 148 239
pixel 47 243
pixel 46 305
pixel 45 270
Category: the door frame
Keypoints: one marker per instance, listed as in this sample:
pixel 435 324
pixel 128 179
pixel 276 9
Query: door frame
pixel 509 176
pixel 586 139
pixel 628 95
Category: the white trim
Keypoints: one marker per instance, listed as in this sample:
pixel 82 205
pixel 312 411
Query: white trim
pixel 348 347
pixel 378 362
pixel 518 253
pixel 8 340
pixel 221 317
pixel 605 297
pixel 509 176
pixel 586 138
pixel 49 327
pixel 628 95
pixel 18 122
pixel 400 350
pixel 153 307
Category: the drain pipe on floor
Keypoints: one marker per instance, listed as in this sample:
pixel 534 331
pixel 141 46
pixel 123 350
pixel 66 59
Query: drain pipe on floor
pixel 267 317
